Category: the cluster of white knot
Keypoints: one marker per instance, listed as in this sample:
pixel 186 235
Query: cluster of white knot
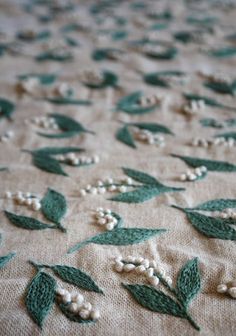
pixel 101 187
pixel 27 199
pixel 146 267
pixel 229 288
pixel 29 85
pixel 45 122
pixel 225 214
pixel 77 305
pixel 194 106
pixel 74 160
pixel 149 137
pixel 146 101
pixel 92 76
pixel 6 136
pixel 216 77
pixel 192 175
pixel 105 218
pixel 62 90
pixel 221 141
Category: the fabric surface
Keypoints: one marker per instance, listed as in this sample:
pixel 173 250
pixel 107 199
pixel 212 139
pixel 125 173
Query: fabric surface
pixel 117 25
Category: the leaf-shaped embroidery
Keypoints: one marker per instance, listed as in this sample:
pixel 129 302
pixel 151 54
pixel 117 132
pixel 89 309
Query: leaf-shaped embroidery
pixel 52 55
pixel 223 52
pixel 3 169
pixel 140 176
pixel 58 135
pixel 139 195
pixel 48 164
pixel 208 101
pixel 44 79
pixel 221 87
pixel 105 53
pixel 155 300
pixel 6 108
pixel 130 104
pixel 210 122
pixel 26 36
pixel 168 54
pixel 153 127
pixel 76 277
pixel 72 317
pixel 229 135
pixel 184 36
pixel 109 79
pixel 120 236
pixel 68 101
pixel 158 78
pixel 5 259
pixel 40 297
pixel 215 205
pixel 28 223
pixel 57 150
pixel 188 282
pixel 211 165
pixel 53 206
pixel 124 135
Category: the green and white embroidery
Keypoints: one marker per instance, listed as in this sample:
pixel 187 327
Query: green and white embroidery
pixel 7 136
pixel 147 187
pixel 56 55
pixel 43 292
pixel 107 54
pixel 206 101
pixel 32 35
pixel 49 159
pixel 107 218
pixel 42 78
pixel 165 78
pixel 145 132
pixel 177 300
pixel 218 225
pixel 6 108
pixel 68 126
pixel 53 206
pixel 225 140
pixel 99 80
pixel 6 258
pixel 196 174
pixel 137 103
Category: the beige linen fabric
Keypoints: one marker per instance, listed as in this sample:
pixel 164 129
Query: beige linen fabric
pixel 120 314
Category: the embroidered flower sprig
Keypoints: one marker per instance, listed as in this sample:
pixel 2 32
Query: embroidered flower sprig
pixel 165 78
pixel 145 132
pixel 207 101
pixel 227 141
pixel 6 258
pixel 193 175
pixel 43 292
pixel 194 106
pixel 137 103
pixel 177 301
pixel 228 288
pixel 53 206
pixel 147 188
pixel 218 225
pixel 42 78
pixel 99 80
pixel 58 55
pixel 50 159
pixel 107 218
pixel 6 108
pixel 106 54
pixel 68 126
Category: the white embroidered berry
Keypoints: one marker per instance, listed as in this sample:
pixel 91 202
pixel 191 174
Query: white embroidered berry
pixel 66 298
pixel 232 292
pixel 102 221
pixel 131 259
pixel 95 159
pixel 84 314
pixel 119 258
pixel 168 280
pixel 150 272
pixel 83 192
pixel 95 314
pixel 87 306
pixel 112 188
pixel 119 266
pixel 61 291
pixel 8 194
pixel 36 205
pixel 73 307
pixel 28 201
pixel 77 298
pixel 153 264
pixel 222 288
pixel 183 177
pixel 110 226
pixel 93 191
pixel 160 270
pixel 128 267
pixel 140 269
pixel 154 280
pixel 145 263
pixel 101 190
pixel 139 259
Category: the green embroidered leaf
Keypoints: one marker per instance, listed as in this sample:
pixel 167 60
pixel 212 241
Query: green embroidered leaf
pixel 208 101
pixel 168 54
pixel 139 195
pixel 24 35
pixel 109 79
pixel 221 87
pixel 5 259
pixel 71 42
pixel 72 317
pixel 3 169
pixel 140 176
pixel 229 135
pixel 130 104
pixel 68 124
pixel 6 108
pixel 215 205
pixel 210 122
pixel 105 53
pixel 211 165
pixel 124 135
pixel 153 127
pixel 230 122
pixel 119 220
pixel 58 135
pixel 28 223
pixel 44 79
pixel 223 52
pixel 155 300
pixel 40 297
pixel 119 35
pixel 188 282
pixel 158 78
pixel 120 237
pixel 67 101
pixel 184 36
pixel 211 227
pixel 76 277
pixel 53 206
pixel 51 55
pixel 57 150
pixel 48 164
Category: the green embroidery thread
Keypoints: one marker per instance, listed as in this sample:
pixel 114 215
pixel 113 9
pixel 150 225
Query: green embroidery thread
pixel 68 101
pixel 158 78
pixel 208 101
pixel 6 108
pixel 28 223
pixel 226 52
pixel 211 165
pixel 105 54
pixel 43 78
pixel 5 259
pixel 52 55
pixel 131 104
pixel 221 87
pixel 187 287
pixel 109 79
pixel 169 54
